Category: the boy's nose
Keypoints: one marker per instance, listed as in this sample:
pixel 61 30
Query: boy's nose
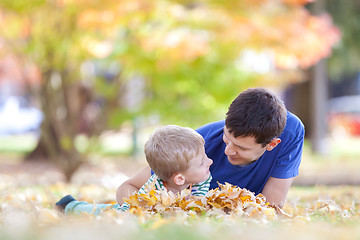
pixel 210 161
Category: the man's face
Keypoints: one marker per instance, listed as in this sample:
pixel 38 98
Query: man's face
pixel 242 150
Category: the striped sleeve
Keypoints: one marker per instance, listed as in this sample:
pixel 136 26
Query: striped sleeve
pixel 154 181
pixel 200 189
pixel 124 207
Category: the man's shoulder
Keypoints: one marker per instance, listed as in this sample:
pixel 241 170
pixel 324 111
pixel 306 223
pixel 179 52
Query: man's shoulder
pixel 211 128
pixel 293 123
pixel 292 118
pixel 213 136
pixel 294 129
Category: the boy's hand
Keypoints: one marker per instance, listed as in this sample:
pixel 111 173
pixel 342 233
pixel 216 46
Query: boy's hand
pixel 133 184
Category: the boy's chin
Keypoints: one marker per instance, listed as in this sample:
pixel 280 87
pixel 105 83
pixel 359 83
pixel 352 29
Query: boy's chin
pixel 206 177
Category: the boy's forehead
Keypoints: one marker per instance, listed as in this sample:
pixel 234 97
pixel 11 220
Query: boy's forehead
pixel 201 150
pixel 200 154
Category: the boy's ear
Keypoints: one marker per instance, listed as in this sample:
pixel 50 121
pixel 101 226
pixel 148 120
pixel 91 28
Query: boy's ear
pixel 179 179
pixel 271 145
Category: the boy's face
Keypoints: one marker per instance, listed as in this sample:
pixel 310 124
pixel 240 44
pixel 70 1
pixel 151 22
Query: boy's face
pixel 198 170
pixel 242 150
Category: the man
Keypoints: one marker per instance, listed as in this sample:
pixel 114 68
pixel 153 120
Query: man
pixel 257 147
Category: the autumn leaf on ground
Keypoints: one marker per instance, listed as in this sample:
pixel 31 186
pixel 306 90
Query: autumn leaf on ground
pixel 224 200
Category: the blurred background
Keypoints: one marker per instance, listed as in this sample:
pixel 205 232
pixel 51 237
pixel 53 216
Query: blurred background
pixel 84 82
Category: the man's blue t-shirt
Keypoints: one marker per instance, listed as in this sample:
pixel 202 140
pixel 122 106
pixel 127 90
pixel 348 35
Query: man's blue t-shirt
pixel 281 162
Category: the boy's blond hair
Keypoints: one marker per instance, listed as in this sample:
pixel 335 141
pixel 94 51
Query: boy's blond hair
pixel 170 148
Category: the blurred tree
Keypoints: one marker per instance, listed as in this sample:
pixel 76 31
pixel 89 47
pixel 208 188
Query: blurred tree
pixel 191 53
pixel 341 66
pixel 346 55
pixel 49 34
pixel 182 60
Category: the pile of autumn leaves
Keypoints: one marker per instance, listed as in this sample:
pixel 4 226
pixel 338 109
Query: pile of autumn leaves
pixel 224 200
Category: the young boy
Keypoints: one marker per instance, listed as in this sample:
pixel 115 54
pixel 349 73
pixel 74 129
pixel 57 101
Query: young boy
pixel 177 157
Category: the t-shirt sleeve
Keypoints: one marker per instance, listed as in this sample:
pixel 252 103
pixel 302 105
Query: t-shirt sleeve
pixel 288 163
pixel 152 183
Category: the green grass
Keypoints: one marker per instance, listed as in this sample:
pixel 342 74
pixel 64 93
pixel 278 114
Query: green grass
pixel 18 143
pixel 345 147
pixel 112 144
pixel 22 144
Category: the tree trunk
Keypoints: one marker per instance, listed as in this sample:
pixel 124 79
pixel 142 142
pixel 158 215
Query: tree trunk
pixel 67 161
pixel 62 111
pixel 319 97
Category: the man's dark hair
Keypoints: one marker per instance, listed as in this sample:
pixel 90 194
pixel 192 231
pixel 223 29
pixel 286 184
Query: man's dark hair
pixel 256 112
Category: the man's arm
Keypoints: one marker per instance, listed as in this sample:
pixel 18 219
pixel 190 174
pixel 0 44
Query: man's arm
pixel 133 184
pixel 276 189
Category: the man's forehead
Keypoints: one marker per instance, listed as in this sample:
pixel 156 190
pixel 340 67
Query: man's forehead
pixel 228 132
pixel 240 139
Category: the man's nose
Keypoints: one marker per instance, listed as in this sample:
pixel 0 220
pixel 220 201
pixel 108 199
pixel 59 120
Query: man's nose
pixel 229 150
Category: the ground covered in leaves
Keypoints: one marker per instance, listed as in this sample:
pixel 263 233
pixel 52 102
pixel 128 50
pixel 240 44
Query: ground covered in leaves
pixel 27 211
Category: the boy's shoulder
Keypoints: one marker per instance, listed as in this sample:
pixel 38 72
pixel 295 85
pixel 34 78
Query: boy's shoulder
pixel 154 182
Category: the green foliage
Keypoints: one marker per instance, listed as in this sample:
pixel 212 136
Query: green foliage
pixel 183 56
pixel 21 6
pixel 346 55
pixel 187 92
pixel 184 50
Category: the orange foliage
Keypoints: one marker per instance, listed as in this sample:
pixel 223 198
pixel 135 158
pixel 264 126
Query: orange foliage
pixel 297 38
pixel 175 32
pixel 227 199
pixel 286 28
pixel 297 2
pixel 313 43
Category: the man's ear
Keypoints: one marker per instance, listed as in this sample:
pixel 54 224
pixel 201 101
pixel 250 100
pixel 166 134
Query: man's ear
pixel 271 145
pixel 179 179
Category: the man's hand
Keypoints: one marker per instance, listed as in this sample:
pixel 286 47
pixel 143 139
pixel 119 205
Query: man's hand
pixel 132 185
pixel 276 189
